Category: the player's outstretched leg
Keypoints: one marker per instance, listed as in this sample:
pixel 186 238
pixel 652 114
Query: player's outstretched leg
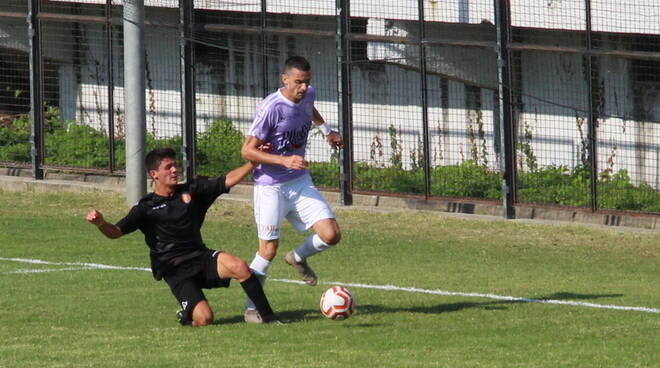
pixel 234 267
pixel 255 292
pixel 259 267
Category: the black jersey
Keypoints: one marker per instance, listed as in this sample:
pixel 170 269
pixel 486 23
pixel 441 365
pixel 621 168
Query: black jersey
pixel 171 225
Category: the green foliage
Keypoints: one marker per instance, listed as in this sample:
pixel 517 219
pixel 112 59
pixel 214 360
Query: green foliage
pixel 388 179
pixel 77 145
pixel 219 148
pixel 218 151
pixel 397 151
pixel 555 185
pixel 15 140
pixel 619 193
pixel 525 148
pixel 325 174
pixel 467 179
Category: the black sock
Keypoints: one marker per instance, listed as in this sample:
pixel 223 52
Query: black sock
pixel 255 292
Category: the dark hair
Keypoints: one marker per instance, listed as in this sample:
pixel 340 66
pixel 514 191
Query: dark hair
pixel 297 62
pixel 155 156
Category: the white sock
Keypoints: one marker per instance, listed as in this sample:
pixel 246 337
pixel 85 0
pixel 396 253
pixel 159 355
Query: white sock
pixel 259 265
pixel 259 268
pixel 311 246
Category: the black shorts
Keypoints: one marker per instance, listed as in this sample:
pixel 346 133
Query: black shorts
pixel 188 279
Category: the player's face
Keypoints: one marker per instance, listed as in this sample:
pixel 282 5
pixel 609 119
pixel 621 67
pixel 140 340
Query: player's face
pixel 167 173
pixel 296 83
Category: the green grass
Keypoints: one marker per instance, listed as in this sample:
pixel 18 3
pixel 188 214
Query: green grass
pixel 122 318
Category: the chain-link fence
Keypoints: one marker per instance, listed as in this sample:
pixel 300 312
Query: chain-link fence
pixel 560 100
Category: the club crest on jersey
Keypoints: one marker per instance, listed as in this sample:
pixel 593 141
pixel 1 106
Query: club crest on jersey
pixel 186 197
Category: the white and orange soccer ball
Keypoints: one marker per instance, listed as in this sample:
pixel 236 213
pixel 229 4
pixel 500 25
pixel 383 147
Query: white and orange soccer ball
pixel 337 303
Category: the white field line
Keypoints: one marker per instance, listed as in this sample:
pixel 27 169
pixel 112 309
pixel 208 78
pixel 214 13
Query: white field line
pixel 83 266
pixel 35 270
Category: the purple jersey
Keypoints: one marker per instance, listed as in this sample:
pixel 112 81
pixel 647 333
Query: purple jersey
pixel 285 125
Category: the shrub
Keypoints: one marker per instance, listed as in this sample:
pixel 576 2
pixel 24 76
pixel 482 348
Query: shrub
pixel 15 140
pixel 219 149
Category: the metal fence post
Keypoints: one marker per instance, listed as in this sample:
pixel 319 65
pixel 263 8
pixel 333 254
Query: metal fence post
pixel 134 100
pixel 593 118
pixel 111 86
pixel 264 51
pixel 344 100
pixel 508 159
pixel 36 92
pixel 186 19
pixel 425 106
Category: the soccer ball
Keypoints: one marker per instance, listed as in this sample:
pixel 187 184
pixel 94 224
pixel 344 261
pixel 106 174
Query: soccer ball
pixel 337 303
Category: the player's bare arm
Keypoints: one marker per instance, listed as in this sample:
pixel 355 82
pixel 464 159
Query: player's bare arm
pixel 333 137
pixel 109 230
pixel 235 176
pixel 251 151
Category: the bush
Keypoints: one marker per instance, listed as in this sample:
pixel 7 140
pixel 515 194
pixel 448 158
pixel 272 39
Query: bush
pixel 219 149
pixel 555 185
pixel 325 174
pixel 15 141
pixel 466 180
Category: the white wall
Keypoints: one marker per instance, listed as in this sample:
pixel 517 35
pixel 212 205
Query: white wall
pixel 626 16
pixel 553 85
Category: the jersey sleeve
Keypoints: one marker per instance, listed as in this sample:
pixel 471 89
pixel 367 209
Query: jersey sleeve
pixel 265 120
pixel 133 221
pixel 210 188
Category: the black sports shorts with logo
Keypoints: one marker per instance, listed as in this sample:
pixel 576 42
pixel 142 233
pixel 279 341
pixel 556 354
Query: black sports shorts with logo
pixel 187 280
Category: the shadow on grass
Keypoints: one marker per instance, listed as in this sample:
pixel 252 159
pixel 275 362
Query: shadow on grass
pixel 313 314
pixel 490 305
pixel 291 315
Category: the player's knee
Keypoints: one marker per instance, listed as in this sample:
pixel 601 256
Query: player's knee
pixel 202 315
pixel 230 266
pixel 238 269
pixel 204 320
pixel 242 270
pixel 331 237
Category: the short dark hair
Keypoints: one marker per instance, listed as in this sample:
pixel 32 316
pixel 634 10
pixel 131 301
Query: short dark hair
pixel 297 62
pixel 155 156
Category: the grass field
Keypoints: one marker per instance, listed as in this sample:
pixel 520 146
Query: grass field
pixel 71 316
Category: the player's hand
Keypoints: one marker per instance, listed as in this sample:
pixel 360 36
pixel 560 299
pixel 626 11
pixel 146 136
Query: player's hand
pixel 294 162
pixel 95 217
pixel 335 140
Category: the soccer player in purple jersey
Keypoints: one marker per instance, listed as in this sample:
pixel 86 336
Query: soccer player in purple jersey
pixel 283 187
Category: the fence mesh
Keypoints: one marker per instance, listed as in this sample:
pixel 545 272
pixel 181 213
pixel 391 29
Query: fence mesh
pixel 14 84
pixel 627 105
pixel 584 87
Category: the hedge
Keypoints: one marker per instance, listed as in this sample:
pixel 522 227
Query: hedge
pixel 218 151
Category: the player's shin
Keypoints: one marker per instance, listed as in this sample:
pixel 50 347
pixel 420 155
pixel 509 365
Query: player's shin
pixel 259 268
pixel 255 292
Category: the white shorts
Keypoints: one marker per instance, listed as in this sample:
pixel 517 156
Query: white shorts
pixel 297 200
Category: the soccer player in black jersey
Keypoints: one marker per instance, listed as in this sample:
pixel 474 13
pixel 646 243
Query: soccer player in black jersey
pixel 171 218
